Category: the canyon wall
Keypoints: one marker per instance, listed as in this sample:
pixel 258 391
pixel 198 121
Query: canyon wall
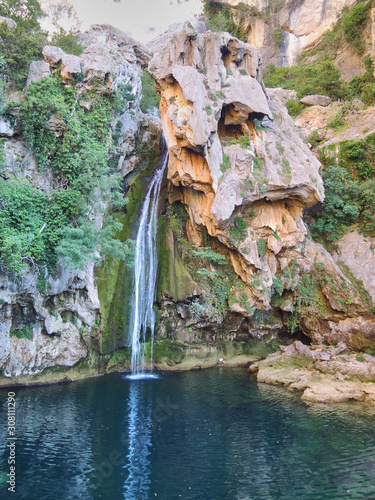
pixel 56 321
pixel 282 30
pixel 244 176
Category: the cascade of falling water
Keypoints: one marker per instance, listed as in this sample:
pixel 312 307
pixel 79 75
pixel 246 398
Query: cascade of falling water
pixel 145 269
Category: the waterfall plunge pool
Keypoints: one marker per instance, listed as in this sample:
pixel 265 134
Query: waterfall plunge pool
pixel 213 434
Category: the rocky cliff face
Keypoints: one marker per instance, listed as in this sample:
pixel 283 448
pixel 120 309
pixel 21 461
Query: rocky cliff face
pixel 244 176
pixel 58 324
pixel 302 23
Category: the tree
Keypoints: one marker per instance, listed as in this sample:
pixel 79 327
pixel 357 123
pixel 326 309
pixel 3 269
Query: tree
pixel 26 13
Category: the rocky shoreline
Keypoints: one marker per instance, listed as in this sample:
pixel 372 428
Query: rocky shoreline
pixel 324 374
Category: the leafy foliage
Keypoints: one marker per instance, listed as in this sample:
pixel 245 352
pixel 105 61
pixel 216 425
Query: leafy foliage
pixel 26 13
pixel 262 247
pixel 353 21
pixel 22 333
pixel 20 47
pixel 220 18
pixel 150 98
pixel 37 228
pixel 349 178
pixel 238 231
pixel 320 77
pixel 294 107
pixel 31 224
pixel 68 41
pixel 225 163
pixel 278 36
pixel 338 211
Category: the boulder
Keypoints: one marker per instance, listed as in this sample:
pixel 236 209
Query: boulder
pixel 70 67
pixel 37 70
pixel 52 55
pixel 6 129
pixel 316 100
pixel 10 23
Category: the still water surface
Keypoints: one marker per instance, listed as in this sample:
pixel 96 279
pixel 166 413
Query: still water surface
pixel 207 435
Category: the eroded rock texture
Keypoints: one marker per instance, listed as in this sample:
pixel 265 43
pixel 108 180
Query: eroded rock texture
pixel 244 175
pixel 303 23
pixel 58 318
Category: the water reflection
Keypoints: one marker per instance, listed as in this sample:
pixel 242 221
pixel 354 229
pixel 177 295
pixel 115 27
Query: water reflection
pixel 138 466
pixel 206 435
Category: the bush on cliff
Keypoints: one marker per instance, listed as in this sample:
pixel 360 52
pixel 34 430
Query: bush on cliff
pixel 22 44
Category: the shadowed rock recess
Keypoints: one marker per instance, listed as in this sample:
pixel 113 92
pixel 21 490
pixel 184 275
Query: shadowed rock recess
pixel 244 176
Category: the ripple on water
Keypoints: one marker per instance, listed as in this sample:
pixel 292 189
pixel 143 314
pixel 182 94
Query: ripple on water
pixel 142 376
pixel 208 435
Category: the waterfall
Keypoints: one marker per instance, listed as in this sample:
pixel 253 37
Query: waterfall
pixel 144 280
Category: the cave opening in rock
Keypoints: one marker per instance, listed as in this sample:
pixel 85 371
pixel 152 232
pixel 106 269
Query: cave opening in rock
pixel 298 334
pixel 227 126
pixel 226 57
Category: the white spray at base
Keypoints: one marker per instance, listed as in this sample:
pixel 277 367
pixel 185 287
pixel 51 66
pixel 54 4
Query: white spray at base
pixel 144 282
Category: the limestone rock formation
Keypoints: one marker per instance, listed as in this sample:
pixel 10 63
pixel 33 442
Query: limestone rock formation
pixel 358 253
pixel 322 375
pixel 38 70
pixel 235 155
pixel 303 23
pixel 55 322
pixel 60 323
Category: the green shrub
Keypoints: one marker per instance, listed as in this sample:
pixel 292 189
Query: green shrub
pixel 19 49
pixel 210 255
pixel 26 13
pixel 196 309
pixel 150 98
pixel 225 164
pixel 320 77
pixel 220 18
pixel 338 211
pixel 244 142
pixel 36 227
pixel 294 107
pixel 68 41
pixel 278 36
pixel 22 333
pixel 352 22
pixel 278 285
pixel 262 247
pixel 238 231
pixel 366 202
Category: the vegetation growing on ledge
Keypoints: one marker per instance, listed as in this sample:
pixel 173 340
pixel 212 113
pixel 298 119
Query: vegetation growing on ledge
pixel 210 268
pixel 316 73
pixel 220 18
pixel 68 41
pixel 150 98
pixel 349 180
pixel 36 227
